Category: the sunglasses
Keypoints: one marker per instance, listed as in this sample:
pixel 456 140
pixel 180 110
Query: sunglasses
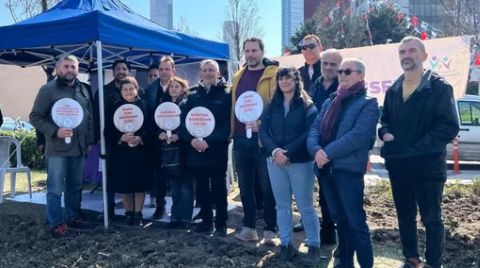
pixel 309 46
pixel 347 71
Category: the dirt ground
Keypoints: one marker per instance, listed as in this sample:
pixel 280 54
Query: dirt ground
pixel 25 240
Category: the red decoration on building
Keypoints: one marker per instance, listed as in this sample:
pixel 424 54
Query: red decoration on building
pixel 424 36
pixel 414 21
pixel 476 60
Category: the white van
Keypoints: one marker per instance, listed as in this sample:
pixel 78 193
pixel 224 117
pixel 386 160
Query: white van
pixel 468 111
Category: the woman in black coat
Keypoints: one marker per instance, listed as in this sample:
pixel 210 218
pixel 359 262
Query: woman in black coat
pixel 129 174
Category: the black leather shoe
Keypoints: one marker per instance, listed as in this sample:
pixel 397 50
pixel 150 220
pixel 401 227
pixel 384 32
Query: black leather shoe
pixel 159 212
pixel 287 253
pixel 203 228
pixel 220 231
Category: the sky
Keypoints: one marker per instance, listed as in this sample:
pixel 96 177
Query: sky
pixel 205 17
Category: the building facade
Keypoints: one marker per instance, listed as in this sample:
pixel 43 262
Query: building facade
pixel 161 12
pixel 292 18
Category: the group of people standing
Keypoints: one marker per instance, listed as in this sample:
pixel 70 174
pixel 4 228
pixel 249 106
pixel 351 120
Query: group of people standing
pixel 318 124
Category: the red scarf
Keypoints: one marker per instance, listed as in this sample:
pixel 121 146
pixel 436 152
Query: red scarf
pixel 331 117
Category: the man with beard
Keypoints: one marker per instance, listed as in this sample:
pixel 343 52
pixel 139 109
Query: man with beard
pixel 65 161
pixel 418 121
pixel 155 94
pixel 250 158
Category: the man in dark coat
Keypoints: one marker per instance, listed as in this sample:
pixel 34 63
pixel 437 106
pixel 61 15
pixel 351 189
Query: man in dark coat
pixel 418 121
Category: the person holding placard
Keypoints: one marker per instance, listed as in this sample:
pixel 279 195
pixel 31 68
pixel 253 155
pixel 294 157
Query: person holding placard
pixel 207 157
pixel 155 94
pixel 172 152
pixel 250 158
pixel 283 133
pixel 65 160
pixel 129 173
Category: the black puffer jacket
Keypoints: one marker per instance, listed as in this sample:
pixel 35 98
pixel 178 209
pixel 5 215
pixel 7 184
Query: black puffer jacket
pixel 289 131
pixel 422 126
pixel 218 101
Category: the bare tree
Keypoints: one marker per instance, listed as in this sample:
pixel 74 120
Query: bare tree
pixel 24 9
pixel 241 22
pixel 463 16
pixel 182 26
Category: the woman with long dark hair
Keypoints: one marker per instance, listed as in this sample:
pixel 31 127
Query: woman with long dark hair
pixel 283 133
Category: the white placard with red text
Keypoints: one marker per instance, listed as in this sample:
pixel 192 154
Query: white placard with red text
pixel 128 118
pixel 67 113
pixel 167 117
pixel 200 122
pixel 249 108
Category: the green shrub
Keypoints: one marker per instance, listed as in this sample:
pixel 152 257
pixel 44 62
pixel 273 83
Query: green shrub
pixel 31 157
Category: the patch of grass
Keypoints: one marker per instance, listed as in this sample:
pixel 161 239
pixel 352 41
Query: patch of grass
pixel 382 188
pixel 457 189
pixel 39 178
pixel 476 186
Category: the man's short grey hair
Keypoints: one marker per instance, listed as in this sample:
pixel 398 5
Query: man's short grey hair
pixel 210 61
pixel 358 62
pixel 333 52
pixel 407 39
pixel 66 57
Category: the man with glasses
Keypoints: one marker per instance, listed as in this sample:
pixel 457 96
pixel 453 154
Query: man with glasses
pixel 311 47
pixel 340 140
pixel 418 121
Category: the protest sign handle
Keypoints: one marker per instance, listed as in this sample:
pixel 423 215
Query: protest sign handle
pixel 68 140
pixel 169 133
pixel 249 133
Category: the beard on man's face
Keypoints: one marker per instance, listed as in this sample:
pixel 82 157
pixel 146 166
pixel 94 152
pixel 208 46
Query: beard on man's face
pixel 68 77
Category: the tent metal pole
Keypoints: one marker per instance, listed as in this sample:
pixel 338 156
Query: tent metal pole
pixel 102 127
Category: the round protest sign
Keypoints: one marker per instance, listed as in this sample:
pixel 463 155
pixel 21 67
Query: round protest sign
pixel 67 113
pixel 249 108
pixel 128 118
pixel 167 117
pixel 200 122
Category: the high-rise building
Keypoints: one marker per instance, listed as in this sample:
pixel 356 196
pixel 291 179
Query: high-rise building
pixel 292 18
pixel 161 12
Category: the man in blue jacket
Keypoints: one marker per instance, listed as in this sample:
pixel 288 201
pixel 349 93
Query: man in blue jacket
pixel 418 121
pixel 340 140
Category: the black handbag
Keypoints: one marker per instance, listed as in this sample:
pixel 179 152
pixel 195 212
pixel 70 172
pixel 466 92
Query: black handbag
pixel 171 161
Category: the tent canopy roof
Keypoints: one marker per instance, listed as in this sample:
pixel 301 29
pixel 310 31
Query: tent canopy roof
pixel 73 26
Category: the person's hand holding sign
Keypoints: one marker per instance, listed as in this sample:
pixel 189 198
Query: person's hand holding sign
pixel 63 133
pixel 252 125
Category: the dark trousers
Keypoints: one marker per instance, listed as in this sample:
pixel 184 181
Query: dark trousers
pixel 182 198
pixel 251 163
pixel 327 226
pixel 344 194
pixel 215 192
pixel 159 187
pixel 408 194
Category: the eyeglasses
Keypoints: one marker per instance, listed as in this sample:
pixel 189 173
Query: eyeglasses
pixel 309 46
pixel 347 71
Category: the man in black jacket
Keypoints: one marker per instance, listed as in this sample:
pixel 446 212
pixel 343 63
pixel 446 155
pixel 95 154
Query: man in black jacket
pixel 311 47
pixel 207 158
pixel 418 121
pixel 155 94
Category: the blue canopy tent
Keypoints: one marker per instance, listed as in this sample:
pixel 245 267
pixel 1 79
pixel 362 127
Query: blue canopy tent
pixel 98 32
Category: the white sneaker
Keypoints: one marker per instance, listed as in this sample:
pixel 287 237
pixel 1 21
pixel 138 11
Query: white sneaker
pixel 269 238
pixel 247 234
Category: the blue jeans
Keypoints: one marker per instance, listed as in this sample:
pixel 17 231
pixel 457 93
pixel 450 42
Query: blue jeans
pixel 299 179
pixel 182 198
pixel 344 194
pixel 250 166
pixel 410 192
pixel 64 173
